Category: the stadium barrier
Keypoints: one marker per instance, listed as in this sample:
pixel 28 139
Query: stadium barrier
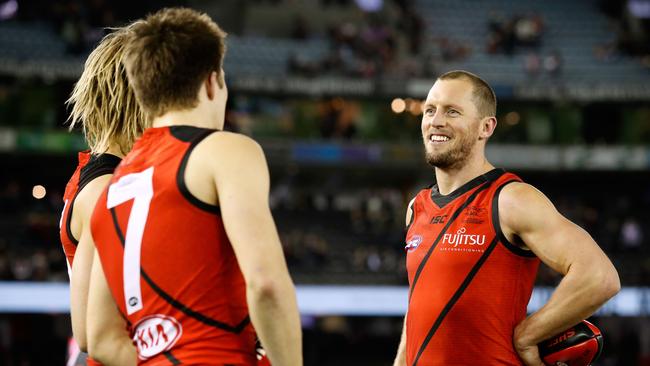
pixel 313 300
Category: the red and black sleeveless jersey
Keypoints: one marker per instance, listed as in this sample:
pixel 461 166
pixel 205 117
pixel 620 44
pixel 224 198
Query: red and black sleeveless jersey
pixel 168 261
pixel 88 168
pixel 469 286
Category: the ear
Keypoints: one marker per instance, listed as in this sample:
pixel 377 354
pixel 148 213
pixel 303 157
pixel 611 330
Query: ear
pixel 487 127
pixel 221 78
pixel 211 84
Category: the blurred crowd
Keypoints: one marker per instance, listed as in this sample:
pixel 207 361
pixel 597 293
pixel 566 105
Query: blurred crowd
pixel 27 225
pixel 387 39
pixel 365 49
pixel 334 234
pixel 331 235
pixel 506 34
pixel 630 25
pixel 81 24
pixel 78 23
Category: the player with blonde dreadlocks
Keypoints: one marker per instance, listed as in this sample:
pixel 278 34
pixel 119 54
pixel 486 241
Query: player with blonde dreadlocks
pixel 104 105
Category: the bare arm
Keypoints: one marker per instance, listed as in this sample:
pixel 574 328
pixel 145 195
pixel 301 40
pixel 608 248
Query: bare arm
pixel 83 259
pixel 529 218
pixel 400 358
pixel 108 339
pixel 242 182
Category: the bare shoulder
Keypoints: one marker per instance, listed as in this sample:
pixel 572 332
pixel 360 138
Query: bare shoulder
pixel 231 155
pixel 522 205
pixel 86 199
pixel 517 194
pixel 229 142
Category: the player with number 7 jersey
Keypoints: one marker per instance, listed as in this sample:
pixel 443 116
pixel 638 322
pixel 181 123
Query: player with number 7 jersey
pixel 169 263
pixel 188 250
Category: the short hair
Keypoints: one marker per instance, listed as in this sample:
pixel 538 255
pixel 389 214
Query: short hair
pixel 169 55
pixel 484 98
pixel 102 100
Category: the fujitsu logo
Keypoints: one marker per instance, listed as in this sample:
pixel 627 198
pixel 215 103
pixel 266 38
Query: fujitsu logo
pixel 460 238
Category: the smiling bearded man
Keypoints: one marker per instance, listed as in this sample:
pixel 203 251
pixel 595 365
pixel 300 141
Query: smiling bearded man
pixel 475 240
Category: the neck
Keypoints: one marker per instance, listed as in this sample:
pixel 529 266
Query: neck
pixel 114 149
pixel 196 117
pixel 450 179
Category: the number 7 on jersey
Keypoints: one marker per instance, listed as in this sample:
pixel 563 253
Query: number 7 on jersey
pixel 139 188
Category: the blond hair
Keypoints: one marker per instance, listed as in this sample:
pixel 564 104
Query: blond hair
pixel 170 55
pixel 103 101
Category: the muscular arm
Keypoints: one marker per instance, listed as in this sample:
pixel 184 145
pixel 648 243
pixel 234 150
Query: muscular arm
pixel 242 182
pixel 83 259
pixel 108 340
pixel 400 358
pixel 530 219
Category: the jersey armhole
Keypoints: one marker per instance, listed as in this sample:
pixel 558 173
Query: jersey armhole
pixel 497 225
pixel 180 176
pixel 68 221
pixel 87 174
pixel 412 209
pixel 95 174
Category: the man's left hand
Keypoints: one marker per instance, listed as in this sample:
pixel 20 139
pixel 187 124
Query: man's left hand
pixel 529 353
pixel 530 356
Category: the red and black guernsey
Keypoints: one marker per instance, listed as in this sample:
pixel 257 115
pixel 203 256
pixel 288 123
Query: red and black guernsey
pixel 88 168
pixel 469 286
pixel 169 264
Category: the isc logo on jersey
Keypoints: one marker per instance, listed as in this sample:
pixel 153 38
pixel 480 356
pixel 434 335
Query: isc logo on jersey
pixel 155 334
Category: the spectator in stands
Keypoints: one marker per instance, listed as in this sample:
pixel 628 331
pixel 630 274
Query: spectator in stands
pixel 528 30
pixel 505 35
pixel 607 51
pixel 501 38
pixel 553 63
pixel 338 119
pixel 412 25
pixel 532 64
pixel 453 50
pixel 631 234
pixel 300 28
pixel 316 250
pixel 495 21
pixel 362 50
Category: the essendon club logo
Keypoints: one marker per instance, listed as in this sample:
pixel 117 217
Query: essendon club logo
pixel 413 243
pixel 155 334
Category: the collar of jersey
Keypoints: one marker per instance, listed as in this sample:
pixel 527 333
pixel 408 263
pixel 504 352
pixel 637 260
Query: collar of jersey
pixel 442 200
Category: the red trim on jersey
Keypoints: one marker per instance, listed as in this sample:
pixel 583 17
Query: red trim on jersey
pixel 68 241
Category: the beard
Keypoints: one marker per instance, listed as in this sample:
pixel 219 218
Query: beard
pixel 455 156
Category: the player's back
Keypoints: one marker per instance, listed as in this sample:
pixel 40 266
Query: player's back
pixel 168 261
